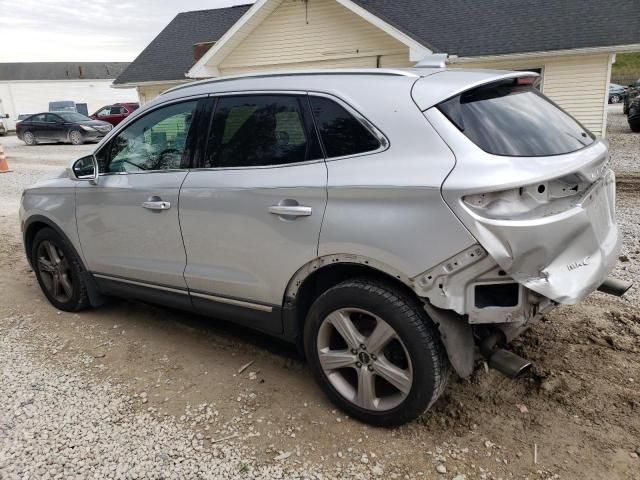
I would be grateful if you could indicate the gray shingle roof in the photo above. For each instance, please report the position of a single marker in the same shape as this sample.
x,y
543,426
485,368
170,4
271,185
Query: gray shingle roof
x,y
61,70
470,28
466,28
170,55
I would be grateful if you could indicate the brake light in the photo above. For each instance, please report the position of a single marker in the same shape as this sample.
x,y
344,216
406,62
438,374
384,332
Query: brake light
x,y
539,199
526,80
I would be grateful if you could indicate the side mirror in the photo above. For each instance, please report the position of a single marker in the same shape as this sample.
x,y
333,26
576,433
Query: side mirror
x,y
86,169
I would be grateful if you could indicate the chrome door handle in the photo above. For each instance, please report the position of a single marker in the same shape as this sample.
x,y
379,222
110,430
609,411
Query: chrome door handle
x,y
290,210
157,205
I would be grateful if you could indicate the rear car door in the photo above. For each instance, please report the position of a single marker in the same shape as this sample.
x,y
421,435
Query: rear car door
x,y
251,214
38,126
128,223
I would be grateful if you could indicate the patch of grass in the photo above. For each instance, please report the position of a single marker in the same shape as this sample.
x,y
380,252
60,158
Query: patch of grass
x,y
626,70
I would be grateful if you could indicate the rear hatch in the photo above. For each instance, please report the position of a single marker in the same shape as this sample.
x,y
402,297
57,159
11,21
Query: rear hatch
x,y
530,183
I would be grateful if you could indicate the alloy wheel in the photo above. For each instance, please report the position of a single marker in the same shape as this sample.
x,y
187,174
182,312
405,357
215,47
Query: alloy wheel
x,y
616,99
55,271
29,138
364,359
75,137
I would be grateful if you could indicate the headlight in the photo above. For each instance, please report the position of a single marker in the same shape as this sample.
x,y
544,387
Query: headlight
x,y
87,128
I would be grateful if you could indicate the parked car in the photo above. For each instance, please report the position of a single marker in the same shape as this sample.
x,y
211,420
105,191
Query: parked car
x,y
116,113
631,92
4,124
61,127
616,93
391,232
634,114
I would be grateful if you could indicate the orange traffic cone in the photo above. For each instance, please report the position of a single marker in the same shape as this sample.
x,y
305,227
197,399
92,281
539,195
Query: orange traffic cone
x,y
4,166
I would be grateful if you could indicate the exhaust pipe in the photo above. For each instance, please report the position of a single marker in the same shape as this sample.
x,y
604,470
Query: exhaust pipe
x,y
616,287
508,363
504,361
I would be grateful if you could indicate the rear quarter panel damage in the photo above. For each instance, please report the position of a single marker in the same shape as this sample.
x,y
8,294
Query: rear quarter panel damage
x,y
563,254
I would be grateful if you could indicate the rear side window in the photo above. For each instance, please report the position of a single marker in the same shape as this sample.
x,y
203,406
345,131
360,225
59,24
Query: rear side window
x,y
505,118
260,130
341,133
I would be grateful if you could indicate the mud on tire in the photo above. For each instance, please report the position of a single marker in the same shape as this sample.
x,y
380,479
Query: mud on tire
x,y
414,351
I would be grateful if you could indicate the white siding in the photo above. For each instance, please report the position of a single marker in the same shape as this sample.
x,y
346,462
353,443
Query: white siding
x,y
576,83
301,34
34,96
146,93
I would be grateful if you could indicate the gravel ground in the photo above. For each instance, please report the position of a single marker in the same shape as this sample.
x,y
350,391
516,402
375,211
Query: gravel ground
x,y
135,391
58,423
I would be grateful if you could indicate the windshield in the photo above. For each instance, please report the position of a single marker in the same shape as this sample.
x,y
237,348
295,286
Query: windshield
x,y
73,117
506,118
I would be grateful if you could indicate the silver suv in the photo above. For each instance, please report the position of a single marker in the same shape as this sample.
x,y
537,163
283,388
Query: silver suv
x,y
391,223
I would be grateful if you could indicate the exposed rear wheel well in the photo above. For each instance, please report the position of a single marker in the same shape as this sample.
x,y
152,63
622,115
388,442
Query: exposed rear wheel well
x,y
323,279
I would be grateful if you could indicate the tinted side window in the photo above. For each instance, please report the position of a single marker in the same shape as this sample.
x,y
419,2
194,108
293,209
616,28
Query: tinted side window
x,y
260,130
38,118
342,134
156,141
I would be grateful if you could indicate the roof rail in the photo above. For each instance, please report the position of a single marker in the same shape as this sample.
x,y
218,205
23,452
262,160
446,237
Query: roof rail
x,y
288,73
436,60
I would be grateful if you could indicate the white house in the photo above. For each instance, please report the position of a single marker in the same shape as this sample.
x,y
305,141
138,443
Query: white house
x,y
29,87
571,42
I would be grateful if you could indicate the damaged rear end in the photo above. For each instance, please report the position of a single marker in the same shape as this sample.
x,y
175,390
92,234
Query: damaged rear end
x,y
533,186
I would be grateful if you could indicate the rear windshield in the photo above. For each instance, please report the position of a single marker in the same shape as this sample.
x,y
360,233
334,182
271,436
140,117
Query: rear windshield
x,y
506,118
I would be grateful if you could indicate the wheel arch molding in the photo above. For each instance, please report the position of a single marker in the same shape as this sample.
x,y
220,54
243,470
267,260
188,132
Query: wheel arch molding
x,y
320,274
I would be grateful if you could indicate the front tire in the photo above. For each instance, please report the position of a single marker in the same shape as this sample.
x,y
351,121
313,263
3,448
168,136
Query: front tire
x,y
375,352
58,271
75,137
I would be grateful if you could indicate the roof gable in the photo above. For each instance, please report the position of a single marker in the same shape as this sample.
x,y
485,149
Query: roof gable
x,y
170,55
261,11
501,27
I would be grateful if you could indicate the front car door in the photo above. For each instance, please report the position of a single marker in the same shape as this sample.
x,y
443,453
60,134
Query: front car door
x,y
251,215
56,128
128,223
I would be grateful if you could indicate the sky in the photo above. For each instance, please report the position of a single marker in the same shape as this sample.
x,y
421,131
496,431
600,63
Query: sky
x,y
87,30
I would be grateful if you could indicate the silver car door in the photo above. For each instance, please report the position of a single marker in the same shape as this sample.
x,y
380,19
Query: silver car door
x,y
128,223
251,216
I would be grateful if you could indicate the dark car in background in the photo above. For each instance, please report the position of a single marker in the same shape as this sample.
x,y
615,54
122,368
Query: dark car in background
x,y
115,113
616,93
633,115
69,127
630,93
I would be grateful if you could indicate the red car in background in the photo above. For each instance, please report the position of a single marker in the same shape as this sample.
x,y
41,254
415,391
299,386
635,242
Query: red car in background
x,y
115,113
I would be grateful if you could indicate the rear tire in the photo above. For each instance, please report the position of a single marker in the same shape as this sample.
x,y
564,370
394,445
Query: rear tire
x,y
59,271
634,118
75,137
29,138
375,352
